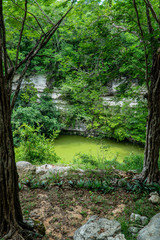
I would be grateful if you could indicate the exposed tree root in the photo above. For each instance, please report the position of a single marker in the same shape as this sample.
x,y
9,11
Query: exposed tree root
x,y
9,234
145,177
20,233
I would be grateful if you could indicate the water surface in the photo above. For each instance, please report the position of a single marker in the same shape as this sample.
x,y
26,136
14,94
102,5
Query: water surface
x,y
67,146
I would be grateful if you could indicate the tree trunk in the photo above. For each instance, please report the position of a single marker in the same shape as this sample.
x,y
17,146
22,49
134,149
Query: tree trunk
x,y
10,210
150,170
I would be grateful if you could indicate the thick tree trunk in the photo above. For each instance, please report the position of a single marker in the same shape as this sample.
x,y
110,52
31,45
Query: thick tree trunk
x,y
150,170
10,211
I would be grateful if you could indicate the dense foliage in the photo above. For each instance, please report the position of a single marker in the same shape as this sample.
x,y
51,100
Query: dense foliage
x,y
35,148
97,44
36,112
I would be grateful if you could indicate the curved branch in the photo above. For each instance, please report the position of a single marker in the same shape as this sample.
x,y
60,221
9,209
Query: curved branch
x,y
152,11
27,25
31,15
43,40
21,32
38,46
124,29
49,20
19,82
144,43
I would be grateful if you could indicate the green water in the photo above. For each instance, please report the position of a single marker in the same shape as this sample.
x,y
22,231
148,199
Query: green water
x,y
67,146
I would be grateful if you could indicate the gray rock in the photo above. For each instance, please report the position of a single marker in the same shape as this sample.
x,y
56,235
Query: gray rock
x,y
132,217
50,168
144,220
23,164
135,218
25,168
29,222
153,193
155,199
117,237
138,218
99,229
152,230
133,229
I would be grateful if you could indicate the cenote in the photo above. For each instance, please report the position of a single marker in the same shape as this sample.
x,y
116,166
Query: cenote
x,y
68,146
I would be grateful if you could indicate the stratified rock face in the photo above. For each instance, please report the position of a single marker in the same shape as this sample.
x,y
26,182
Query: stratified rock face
x,y
152,230
99,229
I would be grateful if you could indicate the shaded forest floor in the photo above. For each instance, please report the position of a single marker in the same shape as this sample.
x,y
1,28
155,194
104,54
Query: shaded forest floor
x,y
64,203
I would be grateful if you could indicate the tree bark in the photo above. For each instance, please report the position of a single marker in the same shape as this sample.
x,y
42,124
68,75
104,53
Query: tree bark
x,y
10,210
11,219
150,170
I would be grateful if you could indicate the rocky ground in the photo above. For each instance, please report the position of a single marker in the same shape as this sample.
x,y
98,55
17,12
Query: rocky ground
x,y
63,203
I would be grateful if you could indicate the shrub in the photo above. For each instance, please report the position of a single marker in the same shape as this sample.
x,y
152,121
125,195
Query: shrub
x,y
35,148
42,113
133,162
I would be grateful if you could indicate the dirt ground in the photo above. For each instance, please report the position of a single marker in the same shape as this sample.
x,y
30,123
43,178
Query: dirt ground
x,y
63,208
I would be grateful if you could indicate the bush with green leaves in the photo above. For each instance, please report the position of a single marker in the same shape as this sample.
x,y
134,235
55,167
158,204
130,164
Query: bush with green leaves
x,y
42,113
133,162
35,148
121,123
130,162
88,161
94,185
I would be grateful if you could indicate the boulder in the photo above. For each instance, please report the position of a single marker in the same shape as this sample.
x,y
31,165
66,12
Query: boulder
x,y
138,219
99,229
23,165
133,230
154,198
135,218
51,168
47,170
144,220
152,230
25,168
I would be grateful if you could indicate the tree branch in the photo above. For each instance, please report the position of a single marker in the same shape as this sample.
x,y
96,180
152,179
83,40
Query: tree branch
x,y
29,26
43,40
124,29
21,32
152,11
49,20
19,82
31,15
144,43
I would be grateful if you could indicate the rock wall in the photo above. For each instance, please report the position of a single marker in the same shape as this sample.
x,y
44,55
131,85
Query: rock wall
x,y
40,82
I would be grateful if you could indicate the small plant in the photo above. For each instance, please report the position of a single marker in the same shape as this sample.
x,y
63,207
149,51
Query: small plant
x,y
86,159
83,213
34,182
94,185
142,187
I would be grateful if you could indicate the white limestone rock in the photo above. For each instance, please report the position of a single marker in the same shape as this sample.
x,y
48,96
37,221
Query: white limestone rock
x,y
152,230
99,229
154,198
23,165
